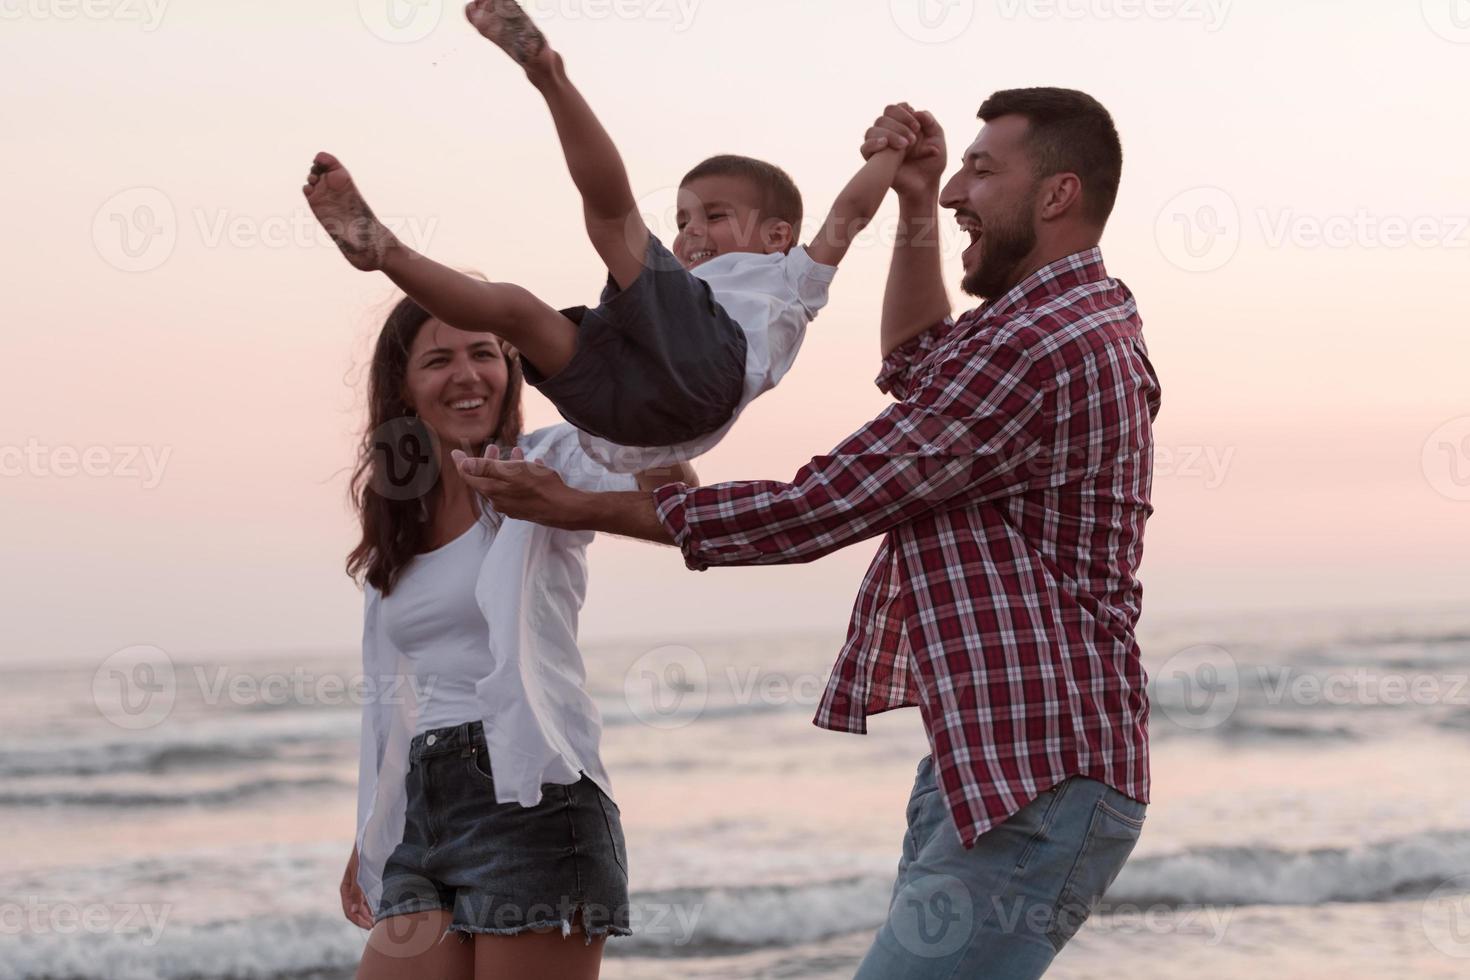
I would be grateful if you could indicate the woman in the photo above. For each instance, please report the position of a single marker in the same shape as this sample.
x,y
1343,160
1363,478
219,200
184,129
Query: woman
x,y
483,806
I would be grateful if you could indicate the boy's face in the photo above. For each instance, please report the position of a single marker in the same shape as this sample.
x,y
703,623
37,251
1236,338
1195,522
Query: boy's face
x,y
718,215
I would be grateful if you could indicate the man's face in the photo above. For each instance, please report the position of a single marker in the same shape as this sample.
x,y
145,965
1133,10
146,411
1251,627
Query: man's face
x,y
993,196
719,215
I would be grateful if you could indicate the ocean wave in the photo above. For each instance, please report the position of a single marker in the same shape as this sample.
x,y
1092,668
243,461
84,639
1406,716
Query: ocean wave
x,y
1380,871
189,748
709,921
138,798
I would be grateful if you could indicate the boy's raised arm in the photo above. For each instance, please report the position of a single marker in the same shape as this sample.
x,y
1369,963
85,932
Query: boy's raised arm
x,y
858,201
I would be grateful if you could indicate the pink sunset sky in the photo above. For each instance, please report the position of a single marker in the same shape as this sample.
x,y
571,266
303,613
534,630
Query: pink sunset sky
x,y
183,353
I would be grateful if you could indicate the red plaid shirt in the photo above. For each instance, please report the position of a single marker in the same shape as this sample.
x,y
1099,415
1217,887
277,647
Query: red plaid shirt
x,y
1011,484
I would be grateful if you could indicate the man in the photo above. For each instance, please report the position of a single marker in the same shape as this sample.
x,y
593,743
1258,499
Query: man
x,y
1011,484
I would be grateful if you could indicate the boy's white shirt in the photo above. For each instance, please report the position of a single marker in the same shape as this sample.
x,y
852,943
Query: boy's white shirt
x,y
540,724
772,297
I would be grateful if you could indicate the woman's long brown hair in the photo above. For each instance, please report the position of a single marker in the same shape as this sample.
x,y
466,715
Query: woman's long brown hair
x,y
398,457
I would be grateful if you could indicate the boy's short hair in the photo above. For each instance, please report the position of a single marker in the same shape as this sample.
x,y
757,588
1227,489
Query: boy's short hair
x,y
779,197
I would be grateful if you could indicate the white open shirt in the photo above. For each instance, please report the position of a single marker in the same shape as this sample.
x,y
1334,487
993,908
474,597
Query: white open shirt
x,y
541,726
772,297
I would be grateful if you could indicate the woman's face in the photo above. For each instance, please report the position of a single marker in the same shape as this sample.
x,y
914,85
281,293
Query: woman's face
x,y
456,382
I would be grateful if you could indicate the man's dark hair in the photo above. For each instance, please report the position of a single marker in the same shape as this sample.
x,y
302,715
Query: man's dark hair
x,y
779,197
1070,132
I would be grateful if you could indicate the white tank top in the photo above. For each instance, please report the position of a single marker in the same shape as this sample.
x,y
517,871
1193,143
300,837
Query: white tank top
x,y
432,616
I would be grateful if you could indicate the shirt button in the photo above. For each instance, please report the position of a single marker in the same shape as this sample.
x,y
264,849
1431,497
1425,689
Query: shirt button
x,y
431,739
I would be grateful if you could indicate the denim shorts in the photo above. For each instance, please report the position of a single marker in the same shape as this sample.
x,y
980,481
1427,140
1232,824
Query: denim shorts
x,y
500,868
657,364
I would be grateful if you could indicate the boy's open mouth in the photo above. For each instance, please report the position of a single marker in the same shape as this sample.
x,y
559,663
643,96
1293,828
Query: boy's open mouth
x,y
701,255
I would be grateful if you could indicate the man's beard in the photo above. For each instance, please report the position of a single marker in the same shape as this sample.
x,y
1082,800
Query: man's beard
x,y
1005,245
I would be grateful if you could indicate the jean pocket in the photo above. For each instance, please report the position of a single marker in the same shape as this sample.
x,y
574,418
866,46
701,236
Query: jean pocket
x,y
612,818
478,767
1111,837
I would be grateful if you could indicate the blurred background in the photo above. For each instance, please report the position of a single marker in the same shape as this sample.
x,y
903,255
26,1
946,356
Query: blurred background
x,y
182,385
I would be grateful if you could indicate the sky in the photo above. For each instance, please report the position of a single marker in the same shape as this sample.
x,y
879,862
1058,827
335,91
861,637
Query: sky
x,y
181,378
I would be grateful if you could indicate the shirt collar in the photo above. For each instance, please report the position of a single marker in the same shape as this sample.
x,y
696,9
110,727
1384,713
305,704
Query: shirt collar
x,y
1067,272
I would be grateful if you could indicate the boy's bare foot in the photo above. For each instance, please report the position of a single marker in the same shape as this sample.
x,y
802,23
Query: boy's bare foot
x,y
505,23
335,201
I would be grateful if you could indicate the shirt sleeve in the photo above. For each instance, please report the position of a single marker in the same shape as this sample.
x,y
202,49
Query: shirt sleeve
x,y
897,373
784,328
992,422
810,279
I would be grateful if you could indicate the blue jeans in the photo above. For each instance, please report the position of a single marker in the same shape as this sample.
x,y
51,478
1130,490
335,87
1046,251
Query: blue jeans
x,y
1005,908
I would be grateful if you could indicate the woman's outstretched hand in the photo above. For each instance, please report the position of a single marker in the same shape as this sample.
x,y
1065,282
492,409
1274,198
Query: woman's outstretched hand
x,y
354,902
522,489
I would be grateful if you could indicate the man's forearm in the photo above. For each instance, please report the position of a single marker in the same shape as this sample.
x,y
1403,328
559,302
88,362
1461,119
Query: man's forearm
x,y
631,514
914,299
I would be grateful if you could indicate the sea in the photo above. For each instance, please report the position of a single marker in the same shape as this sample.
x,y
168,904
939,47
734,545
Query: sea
x,y
173,816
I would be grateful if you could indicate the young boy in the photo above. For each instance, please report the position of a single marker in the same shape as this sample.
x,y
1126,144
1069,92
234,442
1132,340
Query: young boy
x,y
684,338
